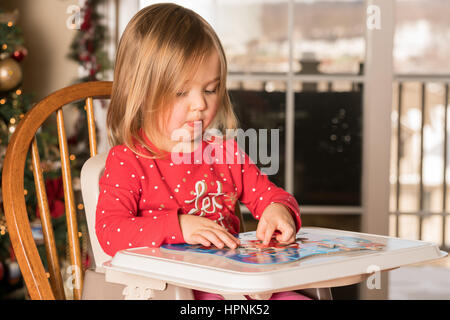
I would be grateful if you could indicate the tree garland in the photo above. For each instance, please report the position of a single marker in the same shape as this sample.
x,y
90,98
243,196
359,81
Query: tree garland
x,y
14,103
88,46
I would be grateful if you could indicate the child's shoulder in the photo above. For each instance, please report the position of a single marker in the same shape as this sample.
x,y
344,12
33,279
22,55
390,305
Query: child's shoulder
x,y
138,154
121,153
119,150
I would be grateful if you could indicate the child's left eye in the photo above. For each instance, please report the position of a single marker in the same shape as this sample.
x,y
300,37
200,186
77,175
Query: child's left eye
x,y
179,94
210,91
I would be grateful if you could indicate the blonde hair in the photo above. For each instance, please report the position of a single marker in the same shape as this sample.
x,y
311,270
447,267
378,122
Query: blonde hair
x,y
161,47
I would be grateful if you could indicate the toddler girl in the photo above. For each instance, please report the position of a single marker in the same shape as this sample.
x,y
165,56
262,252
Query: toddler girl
x,y
164,183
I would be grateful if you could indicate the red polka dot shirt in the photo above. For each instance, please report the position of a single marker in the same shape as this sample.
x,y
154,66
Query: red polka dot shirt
x,y
140,198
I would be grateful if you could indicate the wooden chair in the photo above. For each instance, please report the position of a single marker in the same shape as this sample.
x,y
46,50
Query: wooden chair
x,y
25,249
49,285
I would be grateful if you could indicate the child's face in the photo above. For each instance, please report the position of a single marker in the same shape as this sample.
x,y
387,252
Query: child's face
x,y
197,101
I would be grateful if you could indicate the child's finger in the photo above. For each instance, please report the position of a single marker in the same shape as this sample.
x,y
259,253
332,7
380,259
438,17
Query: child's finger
x,y
286,237
217,226
212,237
234,238
227,238
261,230
287,233
231,236
200,239
268,234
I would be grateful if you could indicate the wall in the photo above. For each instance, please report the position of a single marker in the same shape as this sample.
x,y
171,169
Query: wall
x,y
47,40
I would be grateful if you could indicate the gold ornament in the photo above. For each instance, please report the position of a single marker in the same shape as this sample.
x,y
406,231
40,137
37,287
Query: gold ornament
x,y
10,74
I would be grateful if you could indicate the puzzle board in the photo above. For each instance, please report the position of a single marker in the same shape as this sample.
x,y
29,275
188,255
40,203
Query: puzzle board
x,y
252,251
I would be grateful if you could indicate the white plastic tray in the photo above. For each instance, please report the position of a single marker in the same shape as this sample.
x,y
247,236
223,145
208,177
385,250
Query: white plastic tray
x,y
217,274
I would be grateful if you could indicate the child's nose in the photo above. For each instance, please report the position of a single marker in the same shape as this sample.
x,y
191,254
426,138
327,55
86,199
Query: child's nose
x,y
198,103
198,107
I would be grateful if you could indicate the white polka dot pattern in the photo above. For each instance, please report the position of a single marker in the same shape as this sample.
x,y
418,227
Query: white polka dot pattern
x,y
142,198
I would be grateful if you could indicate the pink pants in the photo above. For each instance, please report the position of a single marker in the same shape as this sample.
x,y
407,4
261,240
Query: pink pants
x,y
288,295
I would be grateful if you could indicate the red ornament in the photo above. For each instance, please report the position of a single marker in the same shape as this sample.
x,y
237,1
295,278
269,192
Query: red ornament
x,y
84,56
86,25
90,46
18,55
87,262
55,194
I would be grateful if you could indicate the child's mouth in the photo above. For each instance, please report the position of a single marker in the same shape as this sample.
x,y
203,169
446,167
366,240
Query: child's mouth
x,y
193,124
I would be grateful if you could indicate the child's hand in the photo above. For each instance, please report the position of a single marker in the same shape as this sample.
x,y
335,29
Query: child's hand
x,y
276,217
200,230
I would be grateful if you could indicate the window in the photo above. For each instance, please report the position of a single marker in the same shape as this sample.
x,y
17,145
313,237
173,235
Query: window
x,y
419,156
422,37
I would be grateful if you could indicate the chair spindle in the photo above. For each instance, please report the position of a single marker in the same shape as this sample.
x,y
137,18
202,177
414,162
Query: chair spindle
x,y
71,215
91,126
47,227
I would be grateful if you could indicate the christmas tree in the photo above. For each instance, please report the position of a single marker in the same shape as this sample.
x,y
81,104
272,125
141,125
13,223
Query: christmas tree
x,y
88,50
14,103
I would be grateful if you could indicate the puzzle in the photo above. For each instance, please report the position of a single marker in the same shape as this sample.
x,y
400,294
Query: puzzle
x,y
253,251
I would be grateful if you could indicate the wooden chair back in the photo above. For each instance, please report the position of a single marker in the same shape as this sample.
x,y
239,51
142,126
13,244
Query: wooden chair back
x,y
24,246
49,285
